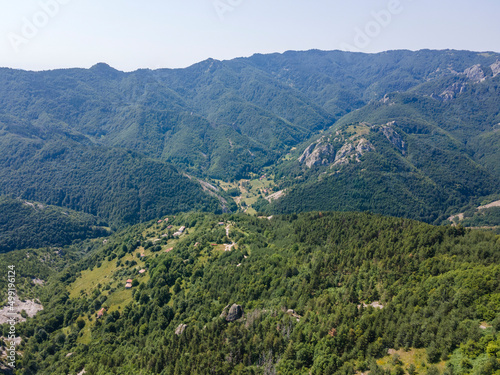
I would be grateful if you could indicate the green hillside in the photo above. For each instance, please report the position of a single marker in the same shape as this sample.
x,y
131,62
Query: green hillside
x,y
119,186
25,224
121,134
319,293
408,155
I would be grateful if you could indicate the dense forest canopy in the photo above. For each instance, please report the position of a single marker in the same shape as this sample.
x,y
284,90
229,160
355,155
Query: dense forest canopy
x,y
431,150
319,293
181,221
25,224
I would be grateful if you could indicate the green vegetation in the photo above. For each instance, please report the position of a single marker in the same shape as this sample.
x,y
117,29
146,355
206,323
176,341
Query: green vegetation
x,y
35,266
100,140
483,218
406,134
118,186
246,193
26,224
357,284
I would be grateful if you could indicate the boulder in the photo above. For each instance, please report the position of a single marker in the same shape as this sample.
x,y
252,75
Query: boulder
x,y
235,312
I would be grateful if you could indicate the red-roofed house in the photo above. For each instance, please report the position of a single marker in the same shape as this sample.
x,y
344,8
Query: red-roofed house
x,y
128,284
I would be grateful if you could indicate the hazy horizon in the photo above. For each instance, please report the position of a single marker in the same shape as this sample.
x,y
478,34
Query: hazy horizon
x,y
54,34
237,57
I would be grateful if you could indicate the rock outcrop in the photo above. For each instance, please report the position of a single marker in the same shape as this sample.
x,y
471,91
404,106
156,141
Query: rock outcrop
x,y
495,68
475,73
318,153
180,329
323,151
452,91
352,151
234,313
393,137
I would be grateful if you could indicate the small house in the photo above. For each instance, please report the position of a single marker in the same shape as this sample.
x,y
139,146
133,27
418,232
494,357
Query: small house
x,y
159,221
128,285
142,271
100,312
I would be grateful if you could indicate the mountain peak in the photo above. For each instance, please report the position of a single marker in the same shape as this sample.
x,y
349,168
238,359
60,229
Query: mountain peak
x,y
104,69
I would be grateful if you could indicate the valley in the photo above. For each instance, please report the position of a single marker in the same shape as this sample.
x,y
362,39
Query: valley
x,y
314,212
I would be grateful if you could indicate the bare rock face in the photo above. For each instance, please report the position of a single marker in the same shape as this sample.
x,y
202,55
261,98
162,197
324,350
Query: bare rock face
x,y
393,137
495,68
235,313
475,73
180,329
353,151
223,314
452,91
318,153
363,147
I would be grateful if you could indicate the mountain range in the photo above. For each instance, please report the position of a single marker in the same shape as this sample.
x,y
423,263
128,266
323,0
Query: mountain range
x,y
411,134
179,221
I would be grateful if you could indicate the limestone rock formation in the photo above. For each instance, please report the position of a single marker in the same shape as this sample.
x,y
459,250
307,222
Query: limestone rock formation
x,y
475,73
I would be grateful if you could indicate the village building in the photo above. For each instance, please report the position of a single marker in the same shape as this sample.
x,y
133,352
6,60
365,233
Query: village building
x,y
180,231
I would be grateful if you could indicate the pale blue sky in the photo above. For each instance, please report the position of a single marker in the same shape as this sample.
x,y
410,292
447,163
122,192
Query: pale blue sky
x,y
136,34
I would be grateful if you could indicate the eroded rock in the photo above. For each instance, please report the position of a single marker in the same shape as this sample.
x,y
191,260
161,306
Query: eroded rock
x,y
475,73
235,313
180,329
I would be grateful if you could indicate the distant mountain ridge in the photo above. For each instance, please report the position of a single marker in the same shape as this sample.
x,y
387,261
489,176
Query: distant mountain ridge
x,y
229,119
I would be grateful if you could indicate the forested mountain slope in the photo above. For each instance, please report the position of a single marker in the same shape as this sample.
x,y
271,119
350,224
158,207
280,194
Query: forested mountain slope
x,y
408,155
222,117
119,186
25,224
240,118
319,293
